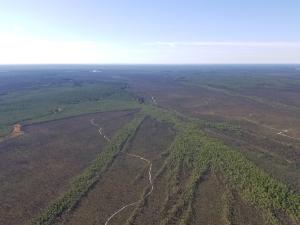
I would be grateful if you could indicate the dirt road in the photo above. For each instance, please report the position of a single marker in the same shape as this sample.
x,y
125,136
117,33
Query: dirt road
x,y
101,133
99,130
136,202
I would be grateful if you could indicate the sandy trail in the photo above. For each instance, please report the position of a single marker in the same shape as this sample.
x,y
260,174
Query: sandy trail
x,y
148,194
153,100
278,131
149,171
15,132
283,133
100,130
131,155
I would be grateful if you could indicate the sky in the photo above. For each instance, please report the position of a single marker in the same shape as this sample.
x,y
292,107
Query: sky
x,y
149,31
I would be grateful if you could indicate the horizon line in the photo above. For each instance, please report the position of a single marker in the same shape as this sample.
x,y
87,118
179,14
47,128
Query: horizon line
x,y
141,64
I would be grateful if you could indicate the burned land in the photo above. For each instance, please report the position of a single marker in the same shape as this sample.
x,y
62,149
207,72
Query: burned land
x,y
150,145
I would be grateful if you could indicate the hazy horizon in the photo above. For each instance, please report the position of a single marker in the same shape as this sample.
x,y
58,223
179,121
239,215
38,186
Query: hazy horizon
x,y
168,32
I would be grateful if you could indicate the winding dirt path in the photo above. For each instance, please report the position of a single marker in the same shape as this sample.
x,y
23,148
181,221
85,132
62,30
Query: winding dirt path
x,y
283,133
130,155
148,194
149,171
100,130
278,131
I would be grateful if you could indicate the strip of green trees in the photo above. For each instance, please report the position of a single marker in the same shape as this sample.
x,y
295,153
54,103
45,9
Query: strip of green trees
x,y
192,148
91,174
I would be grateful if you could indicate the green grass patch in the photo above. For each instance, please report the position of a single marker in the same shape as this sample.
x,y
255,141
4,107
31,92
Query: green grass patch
x,y
63,101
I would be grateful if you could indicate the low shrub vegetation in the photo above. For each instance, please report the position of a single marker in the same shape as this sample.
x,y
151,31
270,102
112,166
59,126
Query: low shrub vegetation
x,y
194,149
83,183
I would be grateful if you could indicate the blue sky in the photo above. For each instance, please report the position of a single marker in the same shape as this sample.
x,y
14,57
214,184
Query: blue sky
x,y
128,31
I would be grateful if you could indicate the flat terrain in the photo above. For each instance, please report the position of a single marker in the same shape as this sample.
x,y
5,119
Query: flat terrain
x,y
148,145
126,179
209,204
194,98
37,167
261,102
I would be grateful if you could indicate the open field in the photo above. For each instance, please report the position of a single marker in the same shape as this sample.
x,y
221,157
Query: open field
x,y
193,97
39,165
209,205
137,145
268,124
61,98
278,158
124,182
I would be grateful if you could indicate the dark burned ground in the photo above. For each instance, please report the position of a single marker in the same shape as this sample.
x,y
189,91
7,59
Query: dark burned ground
x,y
216,203
201,101
38,166
261,119
209,206
125,180
151,212
241,212
120,185
278,158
